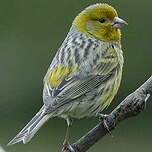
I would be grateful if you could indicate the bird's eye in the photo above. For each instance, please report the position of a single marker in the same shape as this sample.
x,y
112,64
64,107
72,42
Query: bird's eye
x,y
102,20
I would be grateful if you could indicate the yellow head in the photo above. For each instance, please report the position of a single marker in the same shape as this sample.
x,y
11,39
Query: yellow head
x,y
100,21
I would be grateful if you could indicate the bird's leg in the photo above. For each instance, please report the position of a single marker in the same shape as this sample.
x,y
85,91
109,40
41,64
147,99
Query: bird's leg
x,y
66,144
104,117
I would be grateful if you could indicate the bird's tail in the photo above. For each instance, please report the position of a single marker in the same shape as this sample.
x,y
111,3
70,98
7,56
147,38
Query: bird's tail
x,y
31,128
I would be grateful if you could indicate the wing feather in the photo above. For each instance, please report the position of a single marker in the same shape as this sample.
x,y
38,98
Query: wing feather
x,y
77,89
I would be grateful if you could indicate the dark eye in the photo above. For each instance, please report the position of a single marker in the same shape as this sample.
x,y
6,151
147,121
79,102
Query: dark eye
x,y
102,20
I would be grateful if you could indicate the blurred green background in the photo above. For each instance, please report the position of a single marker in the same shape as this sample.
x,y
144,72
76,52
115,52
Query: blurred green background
x,y
30,33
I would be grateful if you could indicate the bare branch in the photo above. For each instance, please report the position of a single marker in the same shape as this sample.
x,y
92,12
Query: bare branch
x,y
132,105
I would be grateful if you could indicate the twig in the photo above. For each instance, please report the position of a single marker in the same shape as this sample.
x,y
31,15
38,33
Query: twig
x,y
132,105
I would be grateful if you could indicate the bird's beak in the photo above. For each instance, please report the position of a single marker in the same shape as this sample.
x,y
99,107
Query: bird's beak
x,y
118,22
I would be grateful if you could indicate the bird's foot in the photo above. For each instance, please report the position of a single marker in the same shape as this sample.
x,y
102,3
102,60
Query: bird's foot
x,y
104,119
67,147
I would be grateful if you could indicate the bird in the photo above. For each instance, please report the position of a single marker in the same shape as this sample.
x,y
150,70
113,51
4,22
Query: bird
x,y
86,71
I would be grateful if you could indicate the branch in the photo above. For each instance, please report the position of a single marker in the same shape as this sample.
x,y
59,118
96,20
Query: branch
x,y
131,106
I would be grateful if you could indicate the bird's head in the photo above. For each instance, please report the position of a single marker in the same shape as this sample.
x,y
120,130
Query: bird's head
x,y
100,21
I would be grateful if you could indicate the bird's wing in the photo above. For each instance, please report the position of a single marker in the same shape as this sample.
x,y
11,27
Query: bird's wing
x,y
67,85
76,89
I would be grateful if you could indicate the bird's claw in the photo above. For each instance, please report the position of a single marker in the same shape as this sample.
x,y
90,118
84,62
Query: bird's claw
x,y
67,146
103,118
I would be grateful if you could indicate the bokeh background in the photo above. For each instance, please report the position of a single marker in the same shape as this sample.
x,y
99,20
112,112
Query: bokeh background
x,y
30,33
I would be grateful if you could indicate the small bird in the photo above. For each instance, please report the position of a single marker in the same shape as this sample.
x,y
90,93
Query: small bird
x,y
86,71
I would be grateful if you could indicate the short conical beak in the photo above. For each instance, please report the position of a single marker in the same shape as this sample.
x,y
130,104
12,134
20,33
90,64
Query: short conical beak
x,y
118,22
